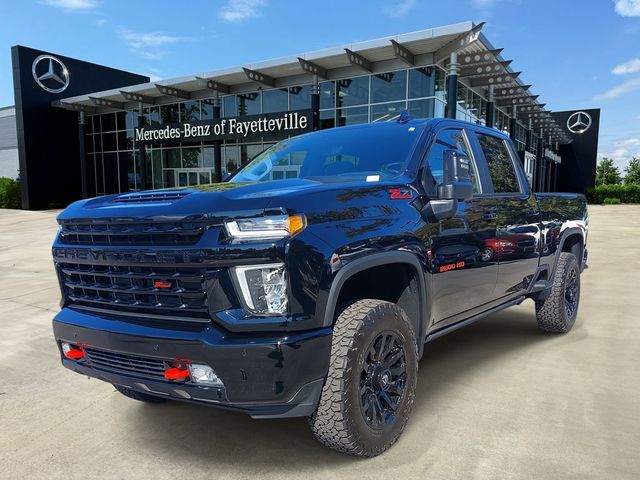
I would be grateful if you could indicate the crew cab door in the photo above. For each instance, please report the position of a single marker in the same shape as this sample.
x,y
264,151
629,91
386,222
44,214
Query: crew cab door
x,y
517,243
461,278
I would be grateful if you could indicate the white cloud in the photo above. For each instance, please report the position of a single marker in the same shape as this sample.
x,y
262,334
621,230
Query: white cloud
x,y
619,90
238,10
399,9
148,39
631,66
148,44
627,8
72,5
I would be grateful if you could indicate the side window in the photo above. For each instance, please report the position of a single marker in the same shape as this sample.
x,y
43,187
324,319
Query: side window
x,y
450,139
501,168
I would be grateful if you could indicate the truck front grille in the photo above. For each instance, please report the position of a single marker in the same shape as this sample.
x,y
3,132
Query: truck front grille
x,y
152,291
126,363
132,233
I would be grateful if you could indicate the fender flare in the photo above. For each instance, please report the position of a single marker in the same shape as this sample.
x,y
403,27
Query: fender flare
x,y
566,234
376,260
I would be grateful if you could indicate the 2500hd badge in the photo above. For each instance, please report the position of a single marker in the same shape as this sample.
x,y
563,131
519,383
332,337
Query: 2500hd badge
x,y
312,288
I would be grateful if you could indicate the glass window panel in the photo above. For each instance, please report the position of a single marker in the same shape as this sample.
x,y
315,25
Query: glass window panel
x,y
501,168
422,108
353,91
450,139
191,157
387,111
205,177
193,178
108,122
97,142
156,156
122,141
169,113
229,106
190,111
231,158
110,164
353,116
389,86
422,82
275,100
169,178
207,157
120,120
89,128
249,103
247,152
130,120
440,83
300,97
172,158
327,119
153,115
206,110
128,175
109,142
327,95
88,143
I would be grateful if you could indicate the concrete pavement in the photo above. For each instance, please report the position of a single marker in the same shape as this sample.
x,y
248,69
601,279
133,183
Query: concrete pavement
x,y
497,399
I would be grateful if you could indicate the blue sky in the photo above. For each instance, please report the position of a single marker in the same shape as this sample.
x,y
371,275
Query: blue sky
x,y
575,53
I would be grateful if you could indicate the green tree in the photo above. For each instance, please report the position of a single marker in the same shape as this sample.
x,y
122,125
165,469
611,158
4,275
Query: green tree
x,y
632,172
607,173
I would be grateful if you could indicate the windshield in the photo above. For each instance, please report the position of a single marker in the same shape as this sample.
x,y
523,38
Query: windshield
x,y
378,152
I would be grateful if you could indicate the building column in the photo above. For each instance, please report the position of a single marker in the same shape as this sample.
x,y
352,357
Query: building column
x,y
452,87
217,145
315,104
539,161
84,181
491,107
142,151
528,137
513,123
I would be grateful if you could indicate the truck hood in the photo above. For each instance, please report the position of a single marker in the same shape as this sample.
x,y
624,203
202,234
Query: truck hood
x,y
217,201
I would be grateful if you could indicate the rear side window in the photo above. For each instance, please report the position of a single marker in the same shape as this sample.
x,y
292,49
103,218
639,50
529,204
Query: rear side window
x,y
450,139
501,168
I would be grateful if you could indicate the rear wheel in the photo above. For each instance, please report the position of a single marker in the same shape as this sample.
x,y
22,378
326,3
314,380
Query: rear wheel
x,y
370,387
558,312
141,397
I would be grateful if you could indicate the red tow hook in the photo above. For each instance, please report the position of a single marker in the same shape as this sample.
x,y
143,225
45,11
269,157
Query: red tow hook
x,y
176,373
75,354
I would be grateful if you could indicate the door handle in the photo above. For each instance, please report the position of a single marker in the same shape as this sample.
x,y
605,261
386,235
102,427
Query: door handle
x,y
490,216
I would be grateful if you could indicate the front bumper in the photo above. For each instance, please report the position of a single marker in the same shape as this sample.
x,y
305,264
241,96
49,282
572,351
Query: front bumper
x,y
264,375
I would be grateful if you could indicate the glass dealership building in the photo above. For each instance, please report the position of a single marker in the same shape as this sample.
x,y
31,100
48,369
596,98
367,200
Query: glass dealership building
x,y
450,71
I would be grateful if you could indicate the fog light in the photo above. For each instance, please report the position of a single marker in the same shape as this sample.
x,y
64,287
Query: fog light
x,y
204,374
264,288
71,351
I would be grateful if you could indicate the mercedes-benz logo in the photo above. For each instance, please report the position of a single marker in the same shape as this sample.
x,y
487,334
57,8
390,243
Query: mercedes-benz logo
x,y
50,73
579,122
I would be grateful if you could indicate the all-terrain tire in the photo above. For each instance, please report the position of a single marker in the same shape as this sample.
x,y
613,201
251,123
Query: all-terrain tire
x,y
558,312
347,417
141,397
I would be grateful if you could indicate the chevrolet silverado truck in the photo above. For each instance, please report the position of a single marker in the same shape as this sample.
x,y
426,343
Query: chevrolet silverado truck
x,y
309,283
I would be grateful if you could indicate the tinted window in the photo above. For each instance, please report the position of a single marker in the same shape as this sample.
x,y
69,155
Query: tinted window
x,y
450,139
375,153
501,169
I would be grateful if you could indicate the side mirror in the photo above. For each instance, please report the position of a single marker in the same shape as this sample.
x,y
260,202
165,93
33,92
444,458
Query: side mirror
x,y
456,184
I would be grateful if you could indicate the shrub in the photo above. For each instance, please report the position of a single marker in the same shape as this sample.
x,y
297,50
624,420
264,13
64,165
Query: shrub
x,y
625,193
611,201
10,196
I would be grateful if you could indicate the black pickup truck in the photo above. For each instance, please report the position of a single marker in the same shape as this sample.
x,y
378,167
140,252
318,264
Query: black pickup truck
x,y
309,283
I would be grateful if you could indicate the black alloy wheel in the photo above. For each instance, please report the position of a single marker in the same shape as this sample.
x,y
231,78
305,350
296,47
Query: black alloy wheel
x,y
383,380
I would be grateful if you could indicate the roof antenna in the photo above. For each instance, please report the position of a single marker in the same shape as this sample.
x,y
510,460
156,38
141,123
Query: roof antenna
x,y
404,117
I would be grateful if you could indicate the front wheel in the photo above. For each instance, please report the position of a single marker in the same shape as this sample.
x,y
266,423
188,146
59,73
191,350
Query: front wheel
x,y
558,312
370,387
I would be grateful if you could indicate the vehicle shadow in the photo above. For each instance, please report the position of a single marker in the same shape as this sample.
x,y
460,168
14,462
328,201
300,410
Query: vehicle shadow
x,y
219,439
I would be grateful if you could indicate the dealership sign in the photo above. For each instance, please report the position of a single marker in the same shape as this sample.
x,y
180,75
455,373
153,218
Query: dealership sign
x,y
272,126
